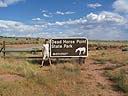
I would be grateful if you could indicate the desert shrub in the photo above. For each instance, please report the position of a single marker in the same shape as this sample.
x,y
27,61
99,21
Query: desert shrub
x,y
126,63
100,61
18,88
125,49
61,93
122,81
120,78
71,68
25,70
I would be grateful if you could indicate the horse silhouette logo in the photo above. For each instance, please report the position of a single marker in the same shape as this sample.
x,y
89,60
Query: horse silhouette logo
x,y
81,50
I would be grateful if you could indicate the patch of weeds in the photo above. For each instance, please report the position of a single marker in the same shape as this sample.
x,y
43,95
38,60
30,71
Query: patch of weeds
x,y
122,81
101,86
34,62
100,61
30,72
120,78
48,80
108,73
71,70
25,71
61,93
125,63
6,66
8,89
24,88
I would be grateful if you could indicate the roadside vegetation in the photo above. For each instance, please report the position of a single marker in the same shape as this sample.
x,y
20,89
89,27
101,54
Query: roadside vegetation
x,y
20,77
115,66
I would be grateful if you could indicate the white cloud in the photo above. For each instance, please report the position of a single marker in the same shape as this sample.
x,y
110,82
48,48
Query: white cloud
x,y
3,26
59,13
5,3
36,19
45,15
94,5
121,6
2,4
69,22
106,16
16,26
105,25
64,13
72,22
44,11
69,12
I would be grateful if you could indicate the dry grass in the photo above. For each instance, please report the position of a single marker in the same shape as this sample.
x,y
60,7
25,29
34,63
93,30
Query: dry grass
x,y
59,80
113,56
119,75
62,79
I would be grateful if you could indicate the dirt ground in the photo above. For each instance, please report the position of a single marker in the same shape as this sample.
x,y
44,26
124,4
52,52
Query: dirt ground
x,y
94,74
91,82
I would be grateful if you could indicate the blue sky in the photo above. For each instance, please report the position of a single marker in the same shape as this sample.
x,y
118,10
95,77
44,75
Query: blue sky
x,y
94,19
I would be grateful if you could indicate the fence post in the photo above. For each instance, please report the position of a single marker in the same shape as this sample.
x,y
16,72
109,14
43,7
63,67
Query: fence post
x,y
81,60
4,49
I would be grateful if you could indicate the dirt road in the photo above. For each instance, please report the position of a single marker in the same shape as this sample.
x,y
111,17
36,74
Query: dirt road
x,y
99,85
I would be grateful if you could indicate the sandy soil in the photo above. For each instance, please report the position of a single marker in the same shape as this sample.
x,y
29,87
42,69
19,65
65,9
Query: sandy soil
x,y
93,73
10,78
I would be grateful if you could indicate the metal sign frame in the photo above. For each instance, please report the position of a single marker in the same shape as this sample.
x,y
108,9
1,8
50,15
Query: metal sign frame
x,y
70,38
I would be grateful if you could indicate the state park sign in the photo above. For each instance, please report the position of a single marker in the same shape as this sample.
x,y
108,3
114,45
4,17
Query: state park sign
x,y
69,47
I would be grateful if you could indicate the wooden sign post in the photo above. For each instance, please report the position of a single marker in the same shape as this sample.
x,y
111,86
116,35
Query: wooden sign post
x,y
4,49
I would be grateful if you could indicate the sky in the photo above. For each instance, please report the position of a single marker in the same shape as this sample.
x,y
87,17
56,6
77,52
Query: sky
x,y
93,19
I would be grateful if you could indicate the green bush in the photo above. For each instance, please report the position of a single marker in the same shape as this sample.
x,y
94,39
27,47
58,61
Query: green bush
x,y
122,81
120,78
